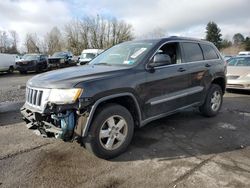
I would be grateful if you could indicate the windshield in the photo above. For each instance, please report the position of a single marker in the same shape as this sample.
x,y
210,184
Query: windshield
x,y
239,61
124,54
59,54
87,56
30,57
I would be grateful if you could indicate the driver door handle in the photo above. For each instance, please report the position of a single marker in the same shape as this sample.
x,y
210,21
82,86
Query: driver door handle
x,y
181,69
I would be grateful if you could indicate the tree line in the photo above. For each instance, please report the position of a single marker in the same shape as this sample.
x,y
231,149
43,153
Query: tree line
x,y
88,32
8,42
98,32
213,34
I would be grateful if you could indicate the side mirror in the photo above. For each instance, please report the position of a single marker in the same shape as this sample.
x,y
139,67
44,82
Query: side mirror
x,y
160,60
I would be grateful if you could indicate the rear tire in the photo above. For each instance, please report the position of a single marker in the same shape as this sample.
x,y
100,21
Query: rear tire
x,y
38,69
11,70
212,102
23,72
111,131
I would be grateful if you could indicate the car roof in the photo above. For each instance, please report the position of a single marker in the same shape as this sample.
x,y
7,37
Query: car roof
x,y
174,38
242,56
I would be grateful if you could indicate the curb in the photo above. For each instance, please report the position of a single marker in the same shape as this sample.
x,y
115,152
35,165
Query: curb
x,y
11,106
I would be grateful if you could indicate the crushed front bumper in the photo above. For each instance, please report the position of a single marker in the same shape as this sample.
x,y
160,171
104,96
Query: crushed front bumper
x,y
60,121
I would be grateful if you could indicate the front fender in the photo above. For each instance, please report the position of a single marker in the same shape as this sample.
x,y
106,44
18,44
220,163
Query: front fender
x,y
103,99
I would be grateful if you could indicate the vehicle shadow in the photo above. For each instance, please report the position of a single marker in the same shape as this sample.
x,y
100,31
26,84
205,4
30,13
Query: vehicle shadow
x,y
8,118
188,134
238,91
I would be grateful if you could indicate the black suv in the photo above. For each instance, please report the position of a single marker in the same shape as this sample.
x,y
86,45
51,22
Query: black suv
x,y
32,62
127,86
61,59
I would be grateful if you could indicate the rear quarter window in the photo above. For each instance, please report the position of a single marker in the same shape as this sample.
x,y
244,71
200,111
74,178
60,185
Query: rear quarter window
x,y
209,52
192,52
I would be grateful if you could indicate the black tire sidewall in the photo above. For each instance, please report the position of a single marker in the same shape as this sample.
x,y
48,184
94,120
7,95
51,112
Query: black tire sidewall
x,y
11,70
206,108
23,72
93,144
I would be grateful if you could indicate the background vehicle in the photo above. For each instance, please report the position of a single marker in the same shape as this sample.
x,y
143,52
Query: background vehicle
x,y
32,62
127,86
7,63
244,53
227,57
238,72
61,59
87,55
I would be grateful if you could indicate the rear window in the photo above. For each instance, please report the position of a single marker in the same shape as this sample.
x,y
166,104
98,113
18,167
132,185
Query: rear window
x,y
209,52
192,52
239,61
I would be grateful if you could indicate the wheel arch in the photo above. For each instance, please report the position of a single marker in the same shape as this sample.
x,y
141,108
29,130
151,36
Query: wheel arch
x,y
127,100
221,82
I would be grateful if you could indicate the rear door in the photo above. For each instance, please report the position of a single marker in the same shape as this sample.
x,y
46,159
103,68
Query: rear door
x,y
199,66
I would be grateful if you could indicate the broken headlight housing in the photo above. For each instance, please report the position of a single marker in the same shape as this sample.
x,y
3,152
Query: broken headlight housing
x,y
64,96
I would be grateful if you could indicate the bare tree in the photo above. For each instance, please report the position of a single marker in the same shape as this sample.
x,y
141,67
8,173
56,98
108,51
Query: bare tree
x,y
96,32
3,41
32,43
72,36
85,32
54,40
14,41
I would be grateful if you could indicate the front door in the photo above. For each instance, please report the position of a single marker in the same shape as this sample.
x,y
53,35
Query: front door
x,y
166,86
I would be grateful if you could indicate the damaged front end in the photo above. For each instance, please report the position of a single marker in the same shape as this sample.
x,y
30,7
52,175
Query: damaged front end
x,y
65,121
67,125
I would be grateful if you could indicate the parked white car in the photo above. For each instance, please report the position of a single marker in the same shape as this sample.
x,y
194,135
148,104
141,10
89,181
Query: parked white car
x,y
7,62
244,53
87,55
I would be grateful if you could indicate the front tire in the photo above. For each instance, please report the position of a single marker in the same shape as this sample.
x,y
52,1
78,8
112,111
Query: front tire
x,y
212,102
111,131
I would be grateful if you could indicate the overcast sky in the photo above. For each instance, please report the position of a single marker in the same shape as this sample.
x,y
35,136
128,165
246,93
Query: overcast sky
x,y
182,17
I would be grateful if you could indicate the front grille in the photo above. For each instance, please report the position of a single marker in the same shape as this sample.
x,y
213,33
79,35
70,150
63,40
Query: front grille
x,y
34,96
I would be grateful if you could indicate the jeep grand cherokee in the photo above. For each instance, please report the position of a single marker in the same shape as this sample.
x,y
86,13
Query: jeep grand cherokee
x,y
127,86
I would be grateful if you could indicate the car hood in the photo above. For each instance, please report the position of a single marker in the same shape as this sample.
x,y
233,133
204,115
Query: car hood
x,y
238,71
69,77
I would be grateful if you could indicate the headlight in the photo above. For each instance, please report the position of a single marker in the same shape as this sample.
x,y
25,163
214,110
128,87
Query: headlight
x,y
248,75
62,61
64,96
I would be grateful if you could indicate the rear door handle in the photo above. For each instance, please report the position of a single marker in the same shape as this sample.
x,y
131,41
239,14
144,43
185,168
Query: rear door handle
x,y
207,65
181,69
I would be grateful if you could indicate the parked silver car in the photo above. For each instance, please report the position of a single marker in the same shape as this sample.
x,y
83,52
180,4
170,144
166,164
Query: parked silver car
x,y
238,72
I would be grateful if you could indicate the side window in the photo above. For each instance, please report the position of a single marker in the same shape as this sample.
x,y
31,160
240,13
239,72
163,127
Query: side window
x,y
192,52
171,50
209,52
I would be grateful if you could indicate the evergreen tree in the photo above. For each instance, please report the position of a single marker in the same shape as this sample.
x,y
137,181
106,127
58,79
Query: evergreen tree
x,y
247,44
225,43
213,34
